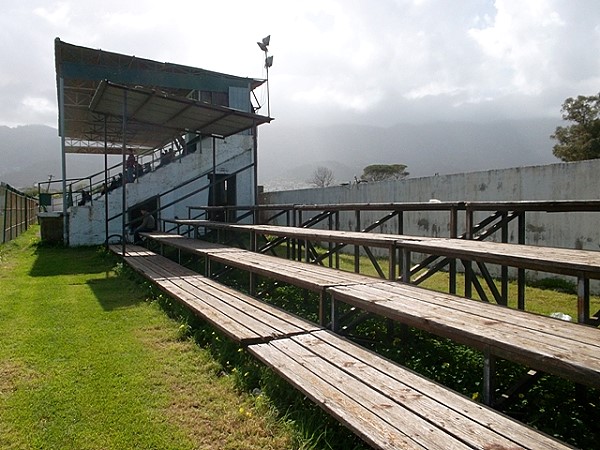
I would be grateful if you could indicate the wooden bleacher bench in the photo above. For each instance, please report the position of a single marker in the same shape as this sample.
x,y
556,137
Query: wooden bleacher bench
x,y
582,264
307,276
563,348
386,405
244,319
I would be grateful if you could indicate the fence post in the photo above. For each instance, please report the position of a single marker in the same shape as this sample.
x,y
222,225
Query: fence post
x,y
5,215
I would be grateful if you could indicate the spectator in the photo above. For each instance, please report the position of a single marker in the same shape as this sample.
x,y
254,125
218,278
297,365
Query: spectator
x,y
130,166
85,197
148,224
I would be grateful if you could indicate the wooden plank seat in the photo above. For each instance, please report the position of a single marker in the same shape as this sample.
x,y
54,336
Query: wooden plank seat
x,y
388,406
241,317
183,243
547,259
309,276
582,264
312,277
566,349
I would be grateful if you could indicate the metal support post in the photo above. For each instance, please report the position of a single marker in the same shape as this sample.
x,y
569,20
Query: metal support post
x,y
61,107
504,269
453,235
337,227
322,308
583,299
392,262
489,378
406,265
124,175
356,247
334,324
521,272
105,188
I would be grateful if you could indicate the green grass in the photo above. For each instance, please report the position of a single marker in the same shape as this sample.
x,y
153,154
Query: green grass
x,y
92,358
87,362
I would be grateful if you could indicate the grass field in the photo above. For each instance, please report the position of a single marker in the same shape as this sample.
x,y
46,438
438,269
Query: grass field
x,y
87,363
92,358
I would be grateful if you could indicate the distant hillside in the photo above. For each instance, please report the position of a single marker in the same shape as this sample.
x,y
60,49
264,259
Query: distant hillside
x,y
31,153
288,155
291,153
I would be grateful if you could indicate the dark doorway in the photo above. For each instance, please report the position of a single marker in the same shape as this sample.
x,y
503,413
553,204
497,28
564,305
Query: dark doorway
x,y
222,192
135,214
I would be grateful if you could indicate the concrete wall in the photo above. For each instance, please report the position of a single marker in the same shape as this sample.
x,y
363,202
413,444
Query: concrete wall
x,y
563,181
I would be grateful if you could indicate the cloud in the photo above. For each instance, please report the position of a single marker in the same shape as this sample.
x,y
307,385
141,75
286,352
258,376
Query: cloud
x,y
334,61
57,16
539,44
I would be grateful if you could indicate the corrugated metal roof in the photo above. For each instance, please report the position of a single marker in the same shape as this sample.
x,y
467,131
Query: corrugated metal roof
x,y
153,118
158,110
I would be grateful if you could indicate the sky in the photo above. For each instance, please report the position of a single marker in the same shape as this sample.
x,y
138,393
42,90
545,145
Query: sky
x,y
374,62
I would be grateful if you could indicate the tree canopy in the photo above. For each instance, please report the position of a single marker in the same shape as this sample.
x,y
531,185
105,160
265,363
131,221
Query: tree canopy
x,y
580,140
381,172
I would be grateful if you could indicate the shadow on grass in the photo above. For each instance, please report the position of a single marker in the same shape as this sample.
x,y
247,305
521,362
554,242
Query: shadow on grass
x,y
55,260
113,294
87,263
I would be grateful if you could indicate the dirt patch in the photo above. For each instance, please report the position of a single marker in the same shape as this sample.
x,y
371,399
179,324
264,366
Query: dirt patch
x,y
13,374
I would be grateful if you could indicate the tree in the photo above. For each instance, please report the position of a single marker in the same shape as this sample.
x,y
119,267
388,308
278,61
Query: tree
x,y
322,177
580,140
381,172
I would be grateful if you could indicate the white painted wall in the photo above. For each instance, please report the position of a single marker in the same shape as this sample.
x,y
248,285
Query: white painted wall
x,y
86,223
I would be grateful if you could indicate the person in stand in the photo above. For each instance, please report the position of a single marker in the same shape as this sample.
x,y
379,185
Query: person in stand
x,y
130,166
148,224
85,197
115,182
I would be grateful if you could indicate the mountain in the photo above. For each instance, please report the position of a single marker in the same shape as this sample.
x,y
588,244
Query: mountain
x,y
288,154
292,153
30,153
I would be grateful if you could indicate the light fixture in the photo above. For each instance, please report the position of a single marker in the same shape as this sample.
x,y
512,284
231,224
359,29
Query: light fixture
x,y
264,43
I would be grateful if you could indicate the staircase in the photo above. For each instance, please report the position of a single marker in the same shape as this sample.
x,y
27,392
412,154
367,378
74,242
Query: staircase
x,y
167,189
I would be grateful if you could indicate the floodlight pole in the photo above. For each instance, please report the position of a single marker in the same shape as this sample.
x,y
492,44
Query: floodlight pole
x,y
264,46
268,96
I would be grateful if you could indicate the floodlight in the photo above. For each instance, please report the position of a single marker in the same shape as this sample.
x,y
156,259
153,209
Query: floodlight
x,y
263,47
266,40
268,61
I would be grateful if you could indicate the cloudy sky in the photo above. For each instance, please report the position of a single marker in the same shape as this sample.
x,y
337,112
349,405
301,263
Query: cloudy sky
x,y
335,61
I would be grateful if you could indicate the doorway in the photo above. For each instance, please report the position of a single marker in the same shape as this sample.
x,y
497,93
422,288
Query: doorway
x,y
222,192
